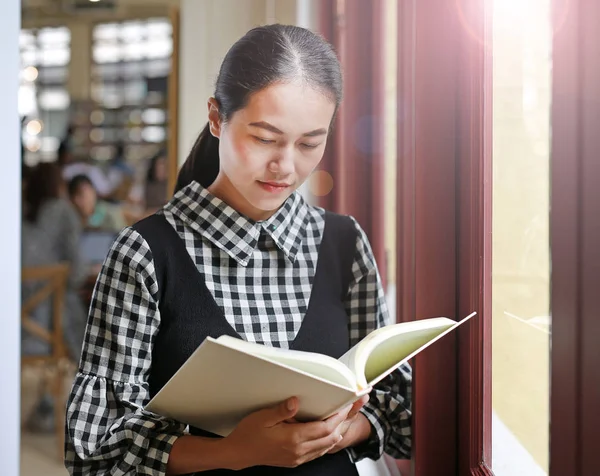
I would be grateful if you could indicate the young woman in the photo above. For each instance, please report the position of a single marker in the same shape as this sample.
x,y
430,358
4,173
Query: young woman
x,y
237,251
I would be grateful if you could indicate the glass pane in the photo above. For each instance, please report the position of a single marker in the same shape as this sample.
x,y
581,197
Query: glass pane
x,y
27,100
106,53
521,248
29,57
158,67
132,31
154,134
55,56
159,48
134,51
106,71
54,36
153,116
26,38
132,69
52,75
135,91
106,31
54,99
159,27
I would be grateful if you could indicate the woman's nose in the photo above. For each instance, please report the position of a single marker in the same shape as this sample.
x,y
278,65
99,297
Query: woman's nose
x,y
284,164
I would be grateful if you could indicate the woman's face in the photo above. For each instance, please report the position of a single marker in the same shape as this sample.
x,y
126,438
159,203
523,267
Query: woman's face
x,y
269,148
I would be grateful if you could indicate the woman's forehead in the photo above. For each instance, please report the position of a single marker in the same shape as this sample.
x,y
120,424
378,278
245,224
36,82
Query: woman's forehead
x,y
293,107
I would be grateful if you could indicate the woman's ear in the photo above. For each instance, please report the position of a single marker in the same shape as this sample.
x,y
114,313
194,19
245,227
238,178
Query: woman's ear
x,y
214,119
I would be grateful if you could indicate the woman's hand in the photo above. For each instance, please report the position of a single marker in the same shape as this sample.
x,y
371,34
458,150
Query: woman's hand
x,y
355,428
266,438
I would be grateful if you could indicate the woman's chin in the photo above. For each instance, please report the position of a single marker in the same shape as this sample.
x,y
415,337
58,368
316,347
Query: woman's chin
x,y
268,205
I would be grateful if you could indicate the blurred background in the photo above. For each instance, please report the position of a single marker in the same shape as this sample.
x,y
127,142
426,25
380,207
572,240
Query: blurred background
x,y
112,94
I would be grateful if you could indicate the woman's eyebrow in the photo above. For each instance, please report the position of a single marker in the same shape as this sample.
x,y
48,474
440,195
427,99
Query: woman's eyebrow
x,y
271,128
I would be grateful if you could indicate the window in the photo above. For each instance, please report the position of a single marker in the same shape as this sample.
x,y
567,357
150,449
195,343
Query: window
x,y
131,62
43,97
521,250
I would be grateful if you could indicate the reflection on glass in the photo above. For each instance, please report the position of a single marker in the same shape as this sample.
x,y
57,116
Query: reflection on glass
x,y
521,266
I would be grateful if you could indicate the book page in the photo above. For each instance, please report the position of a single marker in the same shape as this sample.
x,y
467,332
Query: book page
x,y
391,351
386,353
384,349
322,366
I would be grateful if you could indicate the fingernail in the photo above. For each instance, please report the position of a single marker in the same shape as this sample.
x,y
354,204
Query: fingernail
x,y
340,438
290,405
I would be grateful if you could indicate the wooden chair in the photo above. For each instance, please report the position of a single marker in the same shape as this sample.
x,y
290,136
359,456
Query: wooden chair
x,y
53,284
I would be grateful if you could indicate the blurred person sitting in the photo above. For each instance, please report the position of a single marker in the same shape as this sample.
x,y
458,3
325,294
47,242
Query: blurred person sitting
x,y
94,213
104,185
51,231
120,174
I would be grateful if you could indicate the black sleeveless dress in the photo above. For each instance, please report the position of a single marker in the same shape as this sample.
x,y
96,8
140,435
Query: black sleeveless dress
x,y
189,314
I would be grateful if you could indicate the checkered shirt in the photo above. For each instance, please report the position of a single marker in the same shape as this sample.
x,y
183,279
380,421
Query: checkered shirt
x,y
257,272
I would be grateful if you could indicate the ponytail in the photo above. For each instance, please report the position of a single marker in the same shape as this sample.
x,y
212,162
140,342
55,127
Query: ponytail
x,y
202,164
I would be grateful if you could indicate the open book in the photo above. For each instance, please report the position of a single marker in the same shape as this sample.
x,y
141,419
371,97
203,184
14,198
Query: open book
x,y
226,379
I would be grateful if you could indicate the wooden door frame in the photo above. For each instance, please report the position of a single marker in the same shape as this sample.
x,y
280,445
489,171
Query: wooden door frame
x,y
173,102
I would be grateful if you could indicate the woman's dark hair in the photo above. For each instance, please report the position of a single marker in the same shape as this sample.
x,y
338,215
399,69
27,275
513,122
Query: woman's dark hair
x,y
44,183
263,56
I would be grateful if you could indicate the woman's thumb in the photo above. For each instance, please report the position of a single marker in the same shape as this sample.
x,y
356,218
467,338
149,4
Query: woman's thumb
x,y
284,411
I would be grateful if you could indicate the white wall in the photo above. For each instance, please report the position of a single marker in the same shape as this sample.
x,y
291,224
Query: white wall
x,y
208,29
10,211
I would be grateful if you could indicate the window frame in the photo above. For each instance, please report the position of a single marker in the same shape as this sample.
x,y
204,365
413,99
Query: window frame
x,y
444,259
575,234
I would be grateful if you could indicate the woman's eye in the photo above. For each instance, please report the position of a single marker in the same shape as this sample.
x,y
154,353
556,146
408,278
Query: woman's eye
x,y
310,146
264,141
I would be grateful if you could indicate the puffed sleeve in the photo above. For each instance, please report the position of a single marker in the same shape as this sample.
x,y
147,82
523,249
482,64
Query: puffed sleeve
x,y
107,429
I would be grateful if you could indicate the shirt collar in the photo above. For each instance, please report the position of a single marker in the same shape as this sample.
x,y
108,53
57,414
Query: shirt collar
x,y
234,233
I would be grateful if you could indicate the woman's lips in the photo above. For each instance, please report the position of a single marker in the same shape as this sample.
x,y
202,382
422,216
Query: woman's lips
x,y
274,187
